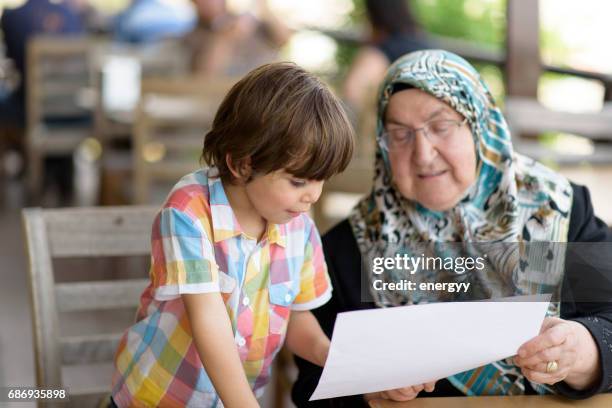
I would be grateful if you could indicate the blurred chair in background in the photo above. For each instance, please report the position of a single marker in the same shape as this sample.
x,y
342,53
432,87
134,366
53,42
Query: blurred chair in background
x,y
22,23
58,120
18,26
117,75
57,234
172,119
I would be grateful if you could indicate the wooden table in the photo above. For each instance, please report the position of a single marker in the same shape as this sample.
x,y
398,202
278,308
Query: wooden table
x,y
531,401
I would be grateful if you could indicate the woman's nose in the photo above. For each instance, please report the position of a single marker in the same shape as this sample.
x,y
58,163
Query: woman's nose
x,y
424,151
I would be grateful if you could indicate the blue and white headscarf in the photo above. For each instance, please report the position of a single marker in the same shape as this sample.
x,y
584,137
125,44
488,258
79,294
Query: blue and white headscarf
x,y
513,200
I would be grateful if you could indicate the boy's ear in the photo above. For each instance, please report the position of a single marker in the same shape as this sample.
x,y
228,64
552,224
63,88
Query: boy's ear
x,y
241,170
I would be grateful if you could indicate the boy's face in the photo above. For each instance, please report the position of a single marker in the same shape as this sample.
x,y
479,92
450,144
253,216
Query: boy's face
x,y
279,196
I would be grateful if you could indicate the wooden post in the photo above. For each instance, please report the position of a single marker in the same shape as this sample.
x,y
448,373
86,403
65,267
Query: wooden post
x,y
608,92
523,64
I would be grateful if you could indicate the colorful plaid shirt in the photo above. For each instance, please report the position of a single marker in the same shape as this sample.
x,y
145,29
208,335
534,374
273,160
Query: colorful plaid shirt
x,y
198,246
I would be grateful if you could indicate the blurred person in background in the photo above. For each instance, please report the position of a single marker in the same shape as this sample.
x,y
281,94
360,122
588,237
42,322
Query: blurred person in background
x,y
223,43
18,26
94,21
150,21
35,17
393,33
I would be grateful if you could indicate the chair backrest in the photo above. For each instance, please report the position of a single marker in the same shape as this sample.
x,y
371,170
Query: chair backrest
x,y
58,73
84,233
171,120
58,79
527,117
117,70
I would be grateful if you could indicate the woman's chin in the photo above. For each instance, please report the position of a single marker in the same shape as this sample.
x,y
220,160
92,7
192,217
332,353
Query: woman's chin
x,y
437,203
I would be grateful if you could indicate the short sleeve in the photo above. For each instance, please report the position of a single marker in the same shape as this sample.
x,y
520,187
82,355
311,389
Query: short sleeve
x,y
182,256
315,285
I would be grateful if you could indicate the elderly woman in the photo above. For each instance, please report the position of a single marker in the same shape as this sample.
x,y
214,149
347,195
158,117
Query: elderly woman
x,y
446,172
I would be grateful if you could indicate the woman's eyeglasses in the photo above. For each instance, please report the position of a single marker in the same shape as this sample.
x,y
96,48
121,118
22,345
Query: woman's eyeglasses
x,y
436,131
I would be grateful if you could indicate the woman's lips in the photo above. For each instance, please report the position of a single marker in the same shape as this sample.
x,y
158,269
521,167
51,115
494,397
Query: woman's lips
x,y
431,175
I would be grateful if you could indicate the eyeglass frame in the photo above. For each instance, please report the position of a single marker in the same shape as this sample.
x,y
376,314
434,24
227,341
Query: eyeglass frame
x,y
383,144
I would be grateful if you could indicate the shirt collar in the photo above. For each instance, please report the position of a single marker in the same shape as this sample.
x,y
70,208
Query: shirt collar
x,y
276,234
224,222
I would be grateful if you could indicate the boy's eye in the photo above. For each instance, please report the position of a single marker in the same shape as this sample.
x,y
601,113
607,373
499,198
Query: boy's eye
x,y
298,182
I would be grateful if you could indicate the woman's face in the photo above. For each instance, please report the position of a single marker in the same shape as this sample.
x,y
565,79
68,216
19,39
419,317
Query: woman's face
x,y
435,172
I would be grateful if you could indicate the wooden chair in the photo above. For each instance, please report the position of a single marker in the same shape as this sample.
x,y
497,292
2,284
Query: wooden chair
x,y
111,62
171,120
56,119
527,117
80,233
117,72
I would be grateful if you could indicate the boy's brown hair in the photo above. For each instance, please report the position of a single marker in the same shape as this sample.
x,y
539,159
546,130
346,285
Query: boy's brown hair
x,y
281,117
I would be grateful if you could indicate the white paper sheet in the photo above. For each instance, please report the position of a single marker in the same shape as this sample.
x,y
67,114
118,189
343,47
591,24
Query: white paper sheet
x,y
381,349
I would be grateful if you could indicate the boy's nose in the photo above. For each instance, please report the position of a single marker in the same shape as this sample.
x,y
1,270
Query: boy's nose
x,y
314,192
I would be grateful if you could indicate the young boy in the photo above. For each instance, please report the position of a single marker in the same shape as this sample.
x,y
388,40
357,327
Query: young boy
x,y
234,253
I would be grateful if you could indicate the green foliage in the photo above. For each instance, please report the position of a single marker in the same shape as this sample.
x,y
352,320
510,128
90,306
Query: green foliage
x,y
493,77
346,51
553,49
479,21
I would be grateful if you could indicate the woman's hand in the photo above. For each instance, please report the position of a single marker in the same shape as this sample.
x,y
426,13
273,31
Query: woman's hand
x,y
399,394
567,343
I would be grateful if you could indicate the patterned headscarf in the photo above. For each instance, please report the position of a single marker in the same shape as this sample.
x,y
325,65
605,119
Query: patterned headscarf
x,y
514,200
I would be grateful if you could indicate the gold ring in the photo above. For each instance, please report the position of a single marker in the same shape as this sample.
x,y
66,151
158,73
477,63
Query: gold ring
x,y
552,366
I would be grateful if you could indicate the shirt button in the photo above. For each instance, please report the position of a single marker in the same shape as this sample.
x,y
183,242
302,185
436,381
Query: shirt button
x,y
287,297
241,342
245,301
